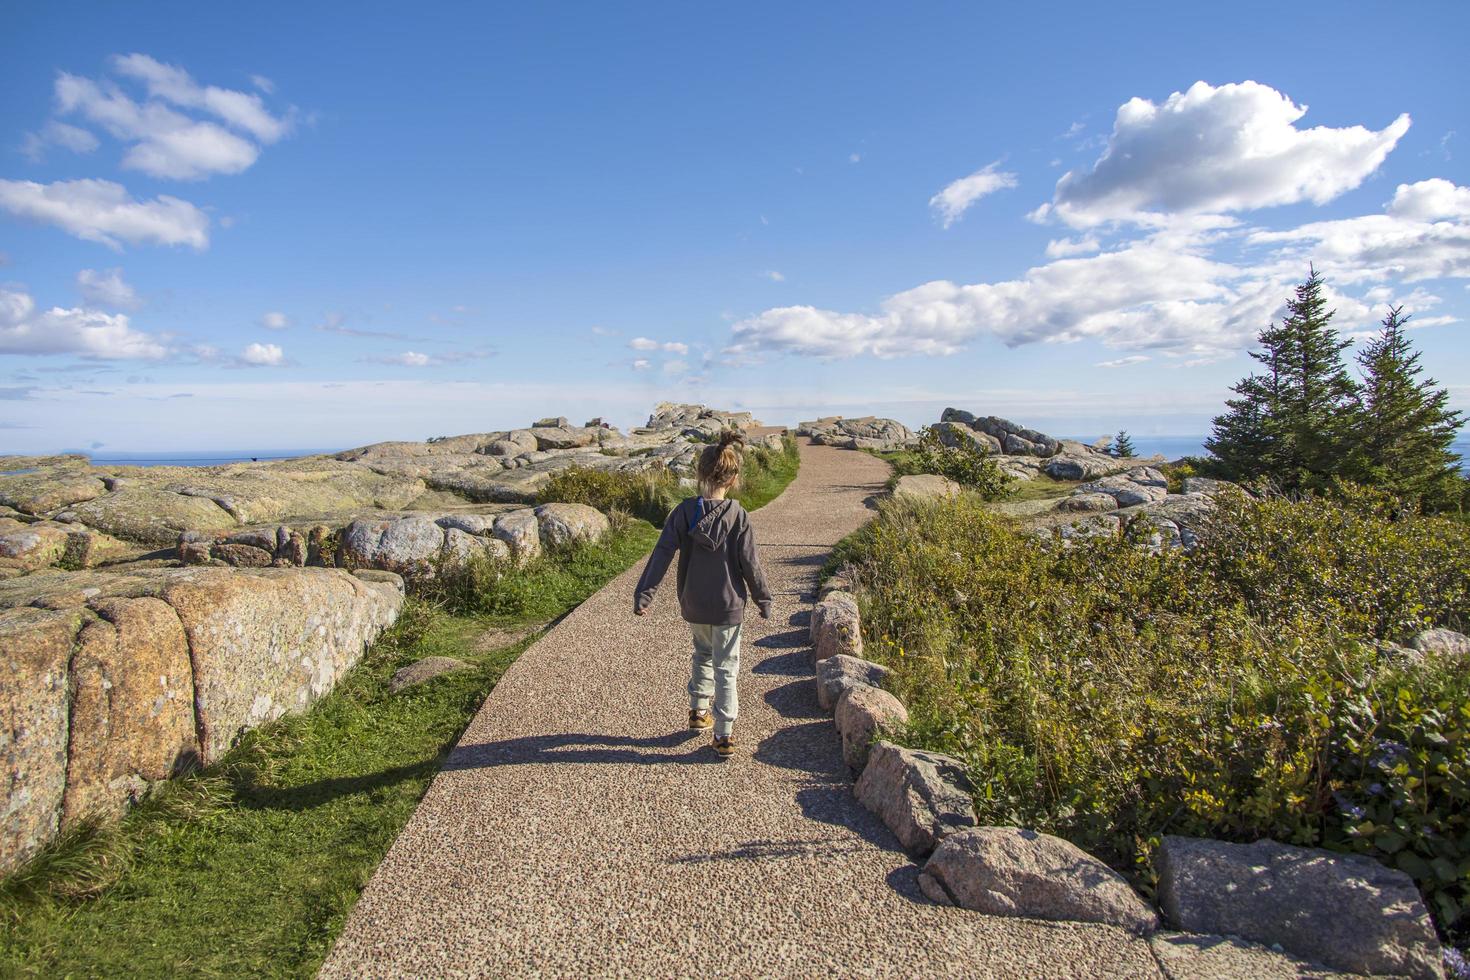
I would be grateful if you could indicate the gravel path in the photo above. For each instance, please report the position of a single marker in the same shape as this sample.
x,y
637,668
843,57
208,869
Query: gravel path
x,y
578,828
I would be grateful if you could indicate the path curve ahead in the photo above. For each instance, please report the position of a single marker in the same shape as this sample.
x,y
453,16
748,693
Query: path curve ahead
x,y
579,829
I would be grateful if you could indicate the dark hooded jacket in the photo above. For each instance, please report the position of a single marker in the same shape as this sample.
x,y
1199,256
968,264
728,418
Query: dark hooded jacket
x,y
718,566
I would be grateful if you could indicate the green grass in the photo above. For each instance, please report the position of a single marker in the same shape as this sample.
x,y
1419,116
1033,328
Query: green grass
x,y
766,473
251,866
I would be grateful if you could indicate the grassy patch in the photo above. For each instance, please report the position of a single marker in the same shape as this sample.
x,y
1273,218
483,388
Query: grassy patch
x,y
766,472
1042,488
1110,695
251,866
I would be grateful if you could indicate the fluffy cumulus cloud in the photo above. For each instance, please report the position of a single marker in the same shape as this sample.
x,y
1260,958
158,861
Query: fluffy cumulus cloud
x,y
107,289
164,132
102,211
950,204
262,355
81,332
1160,271
1215,150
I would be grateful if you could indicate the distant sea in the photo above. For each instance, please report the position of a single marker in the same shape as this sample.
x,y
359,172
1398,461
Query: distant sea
x,y
1170,447
212,457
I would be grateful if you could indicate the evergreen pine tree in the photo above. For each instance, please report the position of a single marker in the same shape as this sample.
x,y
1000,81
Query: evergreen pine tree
x,y
1123,446
1294,423
1406,428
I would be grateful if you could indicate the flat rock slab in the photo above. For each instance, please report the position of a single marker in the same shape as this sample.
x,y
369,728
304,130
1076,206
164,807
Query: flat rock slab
x,y
1184,956
578,829
1345,911
423,670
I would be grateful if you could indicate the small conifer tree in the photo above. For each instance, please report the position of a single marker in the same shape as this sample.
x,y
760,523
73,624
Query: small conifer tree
x,y
1122,446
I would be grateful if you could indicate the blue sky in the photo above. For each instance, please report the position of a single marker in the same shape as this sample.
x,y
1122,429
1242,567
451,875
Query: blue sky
x,y
303,228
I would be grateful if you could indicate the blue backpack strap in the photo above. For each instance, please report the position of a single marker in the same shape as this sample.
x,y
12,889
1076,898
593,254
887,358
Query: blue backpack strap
x,y
698,510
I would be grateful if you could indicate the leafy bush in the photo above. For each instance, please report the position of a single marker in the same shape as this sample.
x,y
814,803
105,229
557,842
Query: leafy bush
x,y
1110,695
967,465
649,495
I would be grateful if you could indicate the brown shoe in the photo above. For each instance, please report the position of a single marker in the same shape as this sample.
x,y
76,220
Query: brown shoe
x,y
701,720
724,746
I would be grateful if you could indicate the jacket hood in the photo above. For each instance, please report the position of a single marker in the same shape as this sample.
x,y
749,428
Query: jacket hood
x,y
712,530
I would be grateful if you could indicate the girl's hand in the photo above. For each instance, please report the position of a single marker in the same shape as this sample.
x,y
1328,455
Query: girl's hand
x,y
641,612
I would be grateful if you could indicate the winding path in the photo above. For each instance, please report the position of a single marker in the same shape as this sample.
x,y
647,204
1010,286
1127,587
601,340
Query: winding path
x,y
578,829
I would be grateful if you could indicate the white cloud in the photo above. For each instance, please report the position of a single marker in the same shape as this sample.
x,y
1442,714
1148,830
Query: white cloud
x,y
412,358
773,275
102,211
1124,361
79,331
1435,199
952,202
264,84
61,134
647,343
262,355
642,364
1061,248
165,142
275,321
1213,150
107,289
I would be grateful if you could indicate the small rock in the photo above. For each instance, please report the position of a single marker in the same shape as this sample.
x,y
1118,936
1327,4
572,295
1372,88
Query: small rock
x,y
424,670
242,555
1088,502
838,673
835,627
1202,484
1010,871
862,714
521,531
920,796
1441,642
561,524
476,524
1345,911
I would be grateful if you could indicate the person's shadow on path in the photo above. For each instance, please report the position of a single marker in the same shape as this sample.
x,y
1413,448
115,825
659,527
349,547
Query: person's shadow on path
x,y
583,748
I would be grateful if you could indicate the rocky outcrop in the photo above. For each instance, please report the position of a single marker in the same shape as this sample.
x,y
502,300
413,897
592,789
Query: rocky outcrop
x,y
1174,520
835,626
114,681
925,486
867,432
1010,871
920,796
26,547
863,713
1013,439
1345,911
837,673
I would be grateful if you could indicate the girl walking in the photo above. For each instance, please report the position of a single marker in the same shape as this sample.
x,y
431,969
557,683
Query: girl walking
x,y
718,569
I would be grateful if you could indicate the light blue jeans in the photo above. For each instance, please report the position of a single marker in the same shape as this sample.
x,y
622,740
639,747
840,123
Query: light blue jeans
x,y
714,670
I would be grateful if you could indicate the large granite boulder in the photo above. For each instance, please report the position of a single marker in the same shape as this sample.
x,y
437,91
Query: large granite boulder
x,y
1010,871
1346,911
35,656
867,432
410,546
837,673
150,516
959,436
1186,956
521,531
920,796
863,713
270,641
1441,642
1015,440
132,707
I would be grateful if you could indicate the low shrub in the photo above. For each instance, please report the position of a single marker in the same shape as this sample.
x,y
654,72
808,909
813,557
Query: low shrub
x,y
967,465
650,494
1111,695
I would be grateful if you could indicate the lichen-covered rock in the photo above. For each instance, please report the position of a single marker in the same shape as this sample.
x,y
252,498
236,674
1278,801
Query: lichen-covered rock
x,y
1345,911
48,488
835,627
151,516
410,546
1088,502
31,546
35,654
1010,871
863,713
563,524
920,796
270,641
132,711
838,673
959,436
1185,956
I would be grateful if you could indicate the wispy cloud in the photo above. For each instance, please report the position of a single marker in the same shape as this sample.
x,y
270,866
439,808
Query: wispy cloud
x,y
102,211
957,198
107,289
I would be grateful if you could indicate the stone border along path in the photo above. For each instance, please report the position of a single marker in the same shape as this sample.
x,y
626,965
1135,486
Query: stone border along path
x,y
578,828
